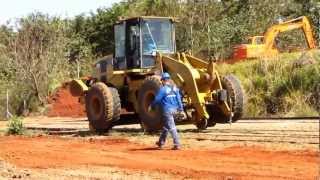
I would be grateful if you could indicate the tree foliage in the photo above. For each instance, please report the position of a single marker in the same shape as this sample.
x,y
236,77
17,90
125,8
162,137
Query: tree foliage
x,y
33,58
211,27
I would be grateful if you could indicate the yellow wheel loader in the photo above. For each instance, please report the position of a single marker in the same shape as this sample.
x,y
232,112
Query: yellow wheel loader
x,y
144,48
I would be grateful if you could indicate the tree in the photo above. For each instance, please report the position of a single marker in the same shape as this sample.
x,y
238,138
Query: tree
x,y
37,56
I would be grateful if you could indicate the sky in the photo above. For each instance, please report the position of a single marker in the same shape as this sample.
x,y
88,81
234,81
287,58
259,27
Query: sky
x,y
12,9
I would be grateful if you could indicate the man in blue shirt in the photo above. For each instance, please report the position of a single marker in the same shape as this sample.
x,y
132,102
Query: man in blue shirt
x,y
169,99
149,45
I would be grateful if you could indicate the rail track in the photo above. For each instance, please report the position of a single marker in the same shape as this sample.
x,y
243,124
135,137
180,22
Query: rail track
x,y
282,118
296,131
301,131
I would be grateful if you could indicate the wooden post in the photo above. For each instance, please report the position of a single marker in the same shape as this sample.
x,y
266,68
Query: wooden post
x,y
7,105
7,108
8,114
78,69
318,8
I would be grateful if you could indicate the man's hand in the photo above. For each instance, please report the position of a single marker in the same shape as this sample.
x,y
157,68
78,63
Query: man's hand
x,y
151,108
181,115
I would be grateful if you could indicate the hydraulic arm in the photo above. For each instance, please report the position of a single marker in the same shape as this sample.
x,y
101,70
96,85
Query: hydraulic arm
x,y
201,83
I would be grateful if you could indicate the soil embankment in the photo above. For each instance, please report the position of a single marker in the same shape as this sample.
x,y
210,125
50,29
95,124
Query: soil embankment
x,y
63,104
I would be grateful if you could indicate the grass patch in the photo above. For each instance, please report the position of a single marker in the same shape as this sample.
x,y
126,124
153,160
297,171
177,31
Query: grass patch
x,y
297,105
2,132
15,126
285,85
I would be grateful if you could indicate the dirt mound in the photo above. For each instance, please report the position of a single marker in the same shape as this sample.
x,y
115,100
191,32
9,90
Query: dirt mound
x,y
63,104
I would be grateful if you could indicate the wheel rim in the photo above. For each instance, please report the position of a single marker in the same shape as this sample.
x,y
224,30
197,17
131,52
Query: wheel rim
x,y
97,106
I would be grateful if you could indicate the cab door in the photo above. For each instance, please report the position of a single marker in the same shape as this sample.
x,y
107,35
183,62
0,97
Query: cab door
x,y
133,44
119,59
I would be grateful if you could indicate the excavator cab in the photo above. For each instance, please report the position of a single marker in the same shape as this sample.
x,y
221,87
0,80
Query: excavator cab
x,y
255,40
138,39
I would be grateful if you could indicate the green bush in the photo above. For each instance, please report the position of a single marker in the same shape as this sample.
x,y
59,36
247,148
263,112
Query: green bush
x,y
15,126
276,86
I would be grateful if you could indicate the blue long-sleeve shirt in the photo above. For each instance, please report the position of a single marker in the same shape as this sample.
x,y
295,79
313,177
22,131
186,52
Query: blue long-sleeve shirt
x,y
169,98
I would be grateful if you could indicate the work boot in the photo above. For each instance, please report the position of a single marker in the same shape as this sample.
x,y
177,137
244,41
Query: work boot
x,y
176,148
159,145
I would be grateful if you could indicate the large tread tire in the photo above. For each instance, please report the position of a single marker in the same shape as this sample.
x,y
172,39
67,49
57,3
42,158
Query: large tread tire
x,y
235,95
99,107
150,120
116,104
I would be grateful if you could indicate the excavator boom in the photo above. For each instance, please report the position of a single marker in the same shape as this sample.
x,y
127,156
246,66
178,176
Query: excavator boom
x,y
301,22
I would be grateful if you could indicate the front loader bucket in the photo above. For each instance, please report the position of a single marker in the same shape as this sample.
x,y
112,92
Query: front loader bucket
x,y
78,87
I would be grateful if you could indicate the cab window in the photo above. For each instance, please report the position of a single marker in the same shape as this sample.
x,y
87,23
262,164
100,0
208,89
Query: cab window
x,y
119,37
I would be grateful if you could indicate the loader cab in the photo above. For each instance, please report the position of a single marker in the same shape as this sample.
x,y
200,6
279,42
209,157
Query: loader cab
x,y
138,39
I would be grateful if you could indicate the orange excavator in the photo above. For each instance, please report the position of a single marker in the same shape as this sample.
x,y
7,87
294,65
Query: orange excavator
x,y
264,46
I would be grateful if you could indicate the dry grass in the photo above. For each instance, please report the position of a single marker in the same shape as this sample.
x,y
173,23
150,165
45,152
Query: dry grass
x,y
273,84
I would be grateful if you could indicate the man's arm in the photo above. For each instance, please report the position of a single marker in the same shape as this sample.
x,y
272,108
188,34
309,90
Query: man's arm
x,y
158,97
178,94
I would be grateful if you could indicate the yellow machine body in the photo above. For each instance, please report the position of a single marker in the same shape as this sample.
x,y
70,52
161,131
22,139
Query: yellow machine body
x,y
134,80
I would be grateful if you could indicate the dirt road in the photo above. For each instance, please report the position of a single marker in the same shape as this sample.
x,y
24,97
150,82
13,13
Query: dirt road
x,y
261,150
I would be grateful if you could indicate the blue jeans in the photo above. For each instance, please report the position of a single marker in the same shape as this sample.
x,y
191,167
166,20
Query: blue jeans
x,y
169,126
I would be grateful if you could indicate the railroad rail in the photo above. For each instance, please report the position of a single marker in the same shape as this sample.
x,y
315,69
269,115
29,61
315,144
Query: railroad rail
x,y
282,118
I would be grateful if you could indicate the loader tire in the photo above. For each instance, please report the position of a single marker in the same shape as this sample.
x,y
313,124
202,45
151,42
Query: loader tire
x,y
99,107
235,95
116,104
150,119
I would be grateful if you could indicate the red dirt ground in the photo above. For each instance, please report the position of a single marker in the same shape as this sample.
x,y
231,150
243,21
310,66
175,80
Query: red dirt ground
x,y
234,162
63,104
